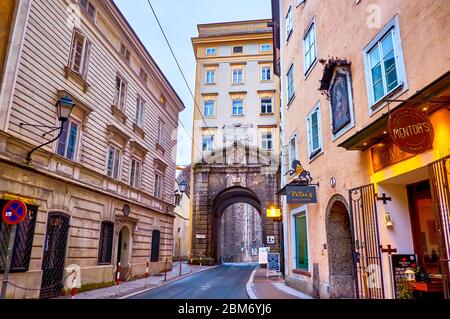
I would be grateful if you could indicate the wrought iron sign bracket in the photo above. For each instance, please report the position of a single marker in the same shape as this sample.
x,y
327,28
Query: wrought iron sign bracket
x,y
383,198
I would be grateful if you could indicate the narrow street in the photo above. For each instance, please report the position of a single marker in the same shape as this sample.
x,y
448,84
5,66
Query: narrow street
x,y
224,282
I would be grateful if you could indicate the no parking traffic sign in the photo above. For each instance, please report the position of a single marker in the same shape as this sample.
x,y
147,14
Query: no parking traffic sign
x,y
14,212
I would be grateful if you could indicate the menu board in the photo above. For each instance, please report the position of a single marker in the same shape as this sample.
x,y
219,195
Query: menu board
x,y
400,263
273,264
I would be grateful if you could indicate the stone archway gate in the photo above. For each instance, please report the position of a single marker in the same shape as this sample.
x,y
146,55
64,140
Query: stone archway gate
x,y
217,186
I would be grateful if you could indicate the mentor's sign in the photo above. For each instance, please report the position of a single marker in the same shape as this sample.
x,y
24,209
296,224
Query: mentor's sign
x,y
301,194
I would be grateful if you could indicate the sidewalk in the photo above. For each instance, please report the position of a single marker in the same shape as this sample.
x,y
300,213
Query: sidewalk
x,y
135,286
261,287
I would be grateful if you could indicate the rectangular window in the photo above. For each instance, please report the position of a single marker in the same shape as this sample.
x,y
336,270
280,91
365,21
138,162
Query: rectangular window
x,y
161,132
292,150
80,53
210,77
290,84
159,181
238,49
237,107
139,116
266,73
125,53
266,106
266,141
301,242
88,7
238,76
68,141
208,143
156,237
121,93
105,243
288,23
208,108
113,162
143,75
135,173
265,47
309,48
23,243
210,51
314,132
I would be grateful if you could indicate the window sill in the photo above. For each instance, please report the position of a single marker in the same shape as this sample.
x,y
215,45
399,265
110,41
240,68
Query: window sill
x,y
266,114
315,155
210,83
237,115
310,69
289,36
138,130
69,73
375,107
118,113
301,272
160,148
290,101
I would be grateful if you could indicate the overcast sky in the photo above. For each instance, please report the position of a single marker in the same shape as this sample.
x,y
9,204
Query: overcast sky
x,y
179,19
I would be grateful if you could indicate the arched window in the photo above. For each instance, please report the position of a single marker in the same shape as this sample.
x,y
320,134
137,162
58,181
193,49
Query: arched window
x,y
156,235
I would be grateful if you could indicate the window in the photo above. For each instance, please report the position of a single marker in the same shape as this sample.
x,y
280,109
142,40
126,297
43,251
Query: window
x,y
301,242
135,173
139,116
210,51
68,141
161,132
309,48
292,150
238,76
105,243
208,143
113,162
125,53
266,47
266,105
210,77
121,93
159,185
290,84
23,243
266,141
143,75
266,73
288,23
238,49
238,107
385,67
208,108
156,235
88,7
80,53
314,132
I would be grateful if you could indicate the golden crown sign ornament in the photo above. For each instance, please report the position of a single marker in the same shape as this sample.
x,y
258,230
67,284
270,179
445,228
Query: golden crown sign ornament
x,y
301,190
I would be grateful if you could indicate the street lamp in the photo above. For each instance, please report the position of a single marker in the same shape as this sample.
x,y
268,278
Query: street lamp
x,y
182,185
64,108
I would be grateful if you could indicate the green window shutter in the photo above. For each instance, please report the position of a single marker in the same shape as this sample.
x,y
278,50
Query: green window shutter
x,y
301,242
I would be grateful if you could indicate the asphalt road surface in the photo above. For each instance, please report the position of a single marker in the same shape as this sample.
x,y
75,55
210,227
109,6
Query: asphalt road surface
x,y
224,282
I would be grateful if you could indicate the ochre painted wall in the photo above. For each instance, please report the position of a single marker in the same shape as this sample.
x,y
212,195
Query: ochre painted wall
x,y
7,13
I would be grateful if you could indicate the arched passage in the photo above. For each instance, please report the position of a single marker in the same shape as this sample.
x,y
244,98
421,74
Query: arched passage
x,y
340,253
224,200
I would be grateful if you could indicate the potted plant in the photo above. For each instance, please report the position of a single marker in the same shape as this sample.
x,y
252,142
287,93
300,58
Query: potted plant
x,y
405,290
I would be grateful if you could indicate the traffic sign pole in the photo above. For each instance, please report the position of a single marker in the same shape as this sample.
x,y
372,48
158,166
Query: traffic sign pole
x,y
12,238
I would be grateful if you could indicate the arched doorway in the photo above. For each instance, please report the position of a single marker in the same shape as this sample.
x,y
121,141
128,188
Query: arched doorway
x,y
123,251
340,252
230,199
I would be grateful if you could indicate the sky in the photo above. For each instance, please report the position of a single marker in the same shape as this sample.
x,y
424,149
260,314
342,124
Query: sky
x,y
179,19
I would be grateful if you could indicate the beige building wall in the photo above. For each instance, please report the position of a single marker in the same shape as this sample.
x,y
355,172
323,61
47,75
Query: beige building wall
x,y
343,30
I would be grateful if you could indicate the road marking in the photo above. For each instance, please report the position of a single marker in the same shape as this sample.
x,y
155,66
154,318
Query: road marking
x,y
249,286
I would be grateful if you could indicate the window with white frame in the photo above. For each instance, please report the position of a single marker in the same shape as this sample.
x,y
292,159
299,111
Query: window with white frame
x,y
114,155
125,53
314,132
80,53
135,173
210,51
309,47
68,141
210,77
266,73
121,93
292,155
237,107
301,241
208,108
159,185
208,143
266,141
161,127
266,105
88,7
290,83
289,23
238,75
265,47
139,116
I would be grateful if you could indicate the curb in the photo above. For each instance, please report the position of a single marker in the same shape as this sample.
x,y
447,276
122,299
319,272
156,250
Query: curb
x,y
249,285
166,283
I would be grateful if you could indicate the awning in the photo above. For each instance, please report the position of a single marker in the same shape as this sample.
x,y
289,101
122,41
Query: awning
x,y
26,200
431,98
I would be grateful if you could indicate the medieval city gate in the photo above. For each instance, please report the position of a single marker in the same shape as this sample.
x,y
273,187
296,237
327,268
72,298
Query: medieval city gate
x,y
216,187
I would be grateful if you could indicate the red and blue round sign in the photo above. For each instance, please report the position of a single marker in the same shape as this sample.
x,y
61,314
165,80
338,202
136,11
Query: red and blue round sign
x,y
14,212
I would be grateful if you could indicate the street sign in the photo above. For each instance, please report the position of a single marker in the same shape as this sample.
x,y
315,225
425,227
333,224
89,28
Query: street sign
x,y
273,264
14,212
270,240
262,258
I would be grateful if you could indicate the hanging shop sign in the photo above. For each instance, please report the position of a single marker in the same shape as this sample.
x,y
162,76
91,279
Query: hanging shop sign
x,y
411,130
300,194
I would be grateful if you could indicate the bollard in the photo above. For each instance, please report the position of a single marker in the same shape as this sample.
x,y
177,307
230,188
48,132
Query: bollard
x,y
201,260
118,278
181,264
165,271
191,263
146,269
74,283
